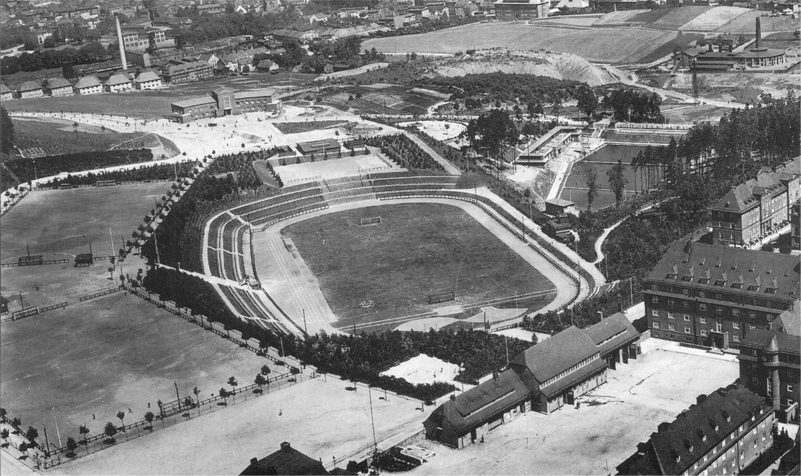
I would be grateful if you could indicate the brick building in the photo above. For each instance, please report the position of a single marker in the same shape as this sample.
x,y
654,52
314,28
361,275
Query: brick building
x,y
511,10
721,434
758,207
770,363
543,378
713,295
185,72
225,102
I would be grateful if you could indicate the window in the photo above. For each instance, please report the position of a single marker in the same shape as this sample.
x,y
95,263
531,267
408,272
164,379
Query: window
x,y
751,328
654,313
670,315
752,315
737,285
654,299
702,320
685,291
703,280
720,283
719,312
770,290
687,317
688,330
735,338
735,325
735,312
753,287
703,332
790,389
656,325
702,307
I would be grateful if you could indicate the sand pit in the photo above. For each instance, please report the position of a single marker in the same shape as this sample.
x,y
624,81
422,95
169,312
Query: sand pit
x,y
424,369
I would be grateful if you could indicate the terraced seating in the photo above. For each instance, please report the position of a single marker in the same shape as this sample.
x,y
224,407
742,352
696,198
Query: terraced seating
x,y
214,261
267,214
215,225
228,233
231,295
229,266
307,191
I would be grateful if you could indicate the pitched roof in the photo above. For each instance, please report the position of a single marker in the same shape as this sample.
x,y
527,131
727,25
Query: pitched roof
x,y
472,408
254,93
87,82
56,83
556,354
746,195
612,332
676,446
722,268
762,339
29,86
4,89
145,76
286,460
118,78
790,320
195,101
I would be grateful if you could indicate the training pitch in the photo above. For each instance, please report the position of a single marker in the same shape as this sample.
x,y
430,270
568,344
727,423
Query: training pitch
x,y
388,270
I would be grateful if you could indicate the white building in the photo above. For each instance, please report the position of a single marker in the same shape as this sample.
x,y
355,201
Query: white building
x,y
118,83
88,85
148,80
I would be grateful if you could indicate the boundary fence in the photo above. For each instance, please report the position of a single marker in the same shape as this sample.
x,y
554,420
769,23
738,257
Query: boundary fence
x,y
102,293
47,261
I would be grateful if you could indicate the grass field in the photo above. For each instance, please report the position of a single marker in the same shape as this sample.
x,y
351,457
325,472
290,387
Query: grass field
x,y
417,250
59,137
108,355
609,45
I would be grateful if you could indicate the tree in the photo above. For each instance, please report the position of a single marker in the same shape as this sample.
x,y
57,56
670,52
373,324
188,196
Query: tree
x,y
110,430
265,370
534,338
71,447
83,430
260,380
491,134
149,419
556,108
587,100
233,383
121,416
224,395
4,435
23,448
591,175
31,435
6,131
617,181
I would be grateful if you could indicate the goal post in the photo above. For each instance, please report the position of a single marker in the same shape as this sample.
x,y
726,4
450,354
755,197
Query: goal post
x,y
370,221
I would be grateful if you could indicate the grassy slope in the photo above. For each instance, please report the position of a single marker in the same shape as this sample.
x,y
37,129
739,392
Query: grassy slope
x,y
418,250
53,140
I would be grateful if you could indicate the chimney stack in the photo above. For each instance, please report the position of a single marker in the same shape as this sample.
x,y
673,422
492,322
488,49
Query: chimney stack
x,y
122,46
285,447
758,42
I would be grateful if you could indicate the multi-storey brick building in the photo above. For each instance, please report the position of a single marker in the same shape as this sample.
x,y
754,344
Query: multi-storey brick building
x,y
757,207
713,295
225,102
770,363
795,225
722,434
184,72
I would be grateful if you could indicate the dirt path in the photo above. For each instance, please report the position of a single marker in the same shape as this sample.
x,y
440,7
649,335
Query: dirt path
x,y
449,167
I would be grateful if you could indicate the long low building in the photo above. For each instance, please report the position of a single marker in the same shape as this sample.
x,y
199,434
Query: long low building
x,y
225,102
543,378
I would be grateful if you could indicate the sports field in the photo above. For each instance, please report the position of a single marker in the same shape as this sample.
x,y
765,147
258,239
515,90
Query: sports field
x,y
108,355
388,270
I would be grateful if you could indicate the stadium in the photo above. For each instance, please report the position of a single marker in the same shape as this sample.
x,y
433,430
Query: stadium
x,y
379,251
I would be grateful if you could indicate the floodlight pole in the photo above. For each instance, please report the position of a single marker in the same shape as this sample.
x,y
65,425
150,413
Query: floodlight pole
x,y
372,421
304,321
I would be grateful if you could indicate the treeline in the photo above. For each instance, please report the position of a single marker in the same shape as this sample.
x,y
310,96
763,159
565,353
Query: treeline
x,y
404,152
50,58
490,87
27,169
214,27
190,292
141,174
634,105
242,164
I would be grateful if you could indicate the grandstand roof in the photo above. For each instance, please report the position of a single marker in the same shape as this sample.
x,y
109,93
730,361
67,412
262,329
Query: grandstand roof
x,y
29,86
87,82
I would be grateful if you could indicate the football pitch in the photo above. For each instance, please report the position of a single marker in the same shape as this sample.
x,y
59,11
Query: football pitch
x,y
391,269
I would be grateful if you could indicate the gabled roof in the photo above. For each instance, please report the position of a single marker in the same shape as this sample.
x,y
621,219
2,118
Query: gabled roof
x,y
87,82
472,408
762,339
286,460
746,195
612,332
56,83
146,76
722,269
556,354
118,78
790,320
676,446
29,86
4,89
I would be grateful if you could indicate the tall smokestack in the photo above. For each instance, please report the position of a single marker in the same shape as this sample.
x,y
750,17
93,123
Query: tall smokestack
x,y
122,46
758,42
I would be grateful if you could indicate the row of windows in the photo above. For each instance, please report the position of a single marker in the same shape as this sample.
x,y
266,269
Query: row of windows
x,y
752,287
569,371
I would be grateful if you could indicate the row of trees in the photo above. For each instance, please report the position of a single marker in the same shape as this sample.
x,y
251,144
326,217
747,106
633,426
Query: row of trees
x,y
92,52
634,105
140,174
405,152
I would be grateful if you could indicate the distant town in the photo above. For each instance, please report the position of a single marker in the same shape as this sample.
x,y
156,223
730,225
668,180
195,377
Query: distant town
x,y
388,236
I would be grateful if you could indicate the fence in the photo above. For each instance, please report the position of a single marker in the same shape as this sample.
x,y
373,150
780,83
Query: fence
x,y
102,293
47,261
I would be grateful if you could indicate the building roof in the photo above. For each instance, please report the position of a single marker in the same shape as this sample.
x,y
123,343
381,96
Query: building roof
x,y
146,76
612,332
4,89
556,354
790,320
722,268
118,78
676,446
173,69
56,83
476,406
559,202
286,460
745,195
254,93
29,86
765,338
87,82
195,101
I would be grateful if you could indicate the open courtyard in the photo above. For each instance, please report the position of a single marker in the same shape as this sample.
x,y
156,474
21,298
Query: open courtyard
x,y
605,430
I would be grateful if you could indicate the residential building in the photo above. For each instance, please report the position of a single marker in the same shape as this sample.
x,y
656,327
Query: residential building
x,y
88,85
543,378
58,87
118,83
147,80
770,363
721,434
184,72
286,460
6,94
30,89
510,10
713,295
754,209
211,9
795,225
225,102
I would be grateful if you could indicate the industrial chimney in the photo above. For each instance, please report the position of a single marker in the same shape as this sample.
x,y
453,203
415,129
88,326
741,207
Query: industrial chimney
x,y
758,42
122,46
